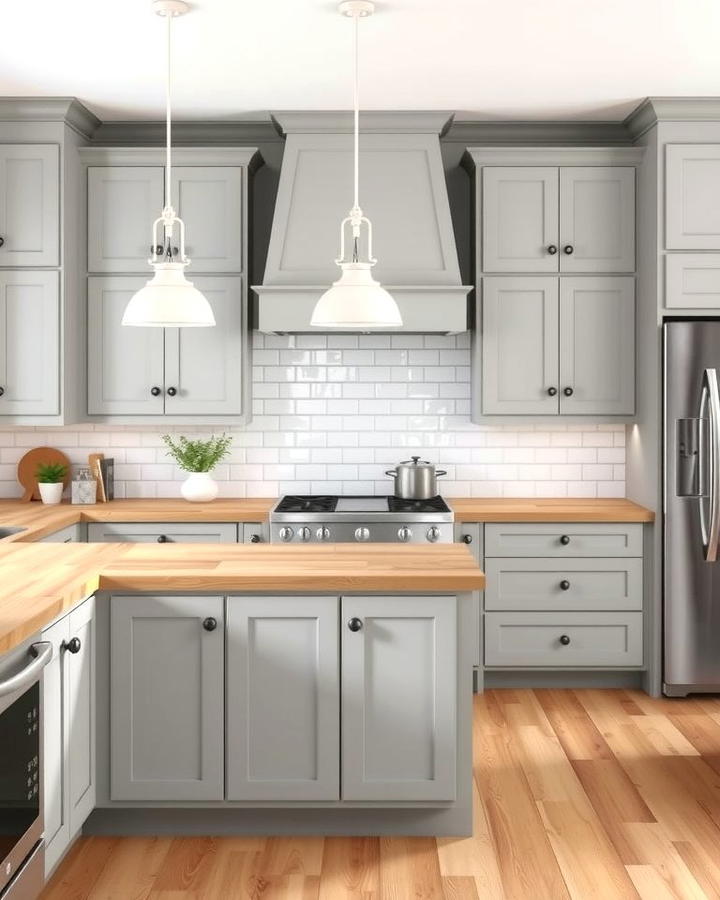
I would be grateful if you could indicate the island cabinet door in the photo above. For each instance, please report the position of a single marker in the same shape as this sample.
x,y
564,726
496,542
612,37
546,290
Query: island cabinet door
x,y
166,707
80,661
399,685
283,721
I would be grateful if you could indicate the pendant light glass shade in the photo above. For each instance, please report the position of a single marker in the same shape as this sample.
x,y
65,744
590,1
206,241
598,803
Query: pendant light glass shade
x,y
168,300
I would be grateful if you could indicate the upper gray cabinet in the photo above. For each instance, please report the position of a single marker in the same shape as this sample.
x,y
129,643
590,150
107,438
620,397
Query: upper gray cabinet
x,y
692,184
209,199
568,219
30,205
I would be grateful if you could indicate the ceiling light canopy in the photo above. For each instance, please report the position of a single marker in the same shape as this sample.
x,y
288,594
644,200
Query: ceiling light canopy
x,y
356,300
168,300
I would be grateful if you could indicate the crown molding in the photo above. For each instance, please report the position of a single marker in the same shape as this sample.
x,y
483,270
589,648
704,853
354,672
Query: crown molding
x,y
371,121
50,109
584,134
671,109
210,133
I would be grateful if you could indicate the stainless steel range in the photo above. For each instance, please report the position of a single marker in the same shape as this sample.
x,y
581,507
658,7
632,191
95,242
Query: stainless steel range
x,y
316,519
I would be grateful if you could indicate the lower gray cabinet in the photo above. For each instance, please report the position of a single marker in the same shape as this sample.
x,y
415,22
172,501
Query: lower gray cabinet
x,y
282,690
399,671
472,534
68,695
163,532
166,708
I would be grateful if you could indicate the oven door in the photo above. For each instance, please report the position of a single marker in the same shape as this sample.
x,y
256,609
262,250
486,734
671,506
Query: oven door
x,y
21,819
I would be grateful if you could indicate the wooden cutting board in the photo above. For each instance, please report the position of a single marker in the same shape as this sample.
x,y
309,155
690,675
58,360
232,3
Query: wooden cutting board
x,y
27,469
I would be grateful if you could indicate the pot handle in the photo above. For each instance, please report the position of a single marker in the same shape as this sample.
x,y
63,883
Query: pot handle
x,y
392,473
440,472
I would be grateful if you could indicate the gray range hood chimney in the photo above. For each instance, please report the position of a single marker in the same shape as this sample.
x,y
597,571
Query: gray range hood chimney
x,y
405,196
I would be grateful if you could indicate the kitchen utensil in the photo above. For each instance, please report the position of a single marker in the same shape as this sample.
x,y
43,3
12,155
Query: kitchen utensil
x,y
415,479
27,469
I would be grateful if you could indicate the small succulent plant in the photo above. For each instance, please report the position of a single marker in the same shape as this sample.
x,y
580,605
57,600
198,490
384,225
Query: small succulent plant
x,y
50,473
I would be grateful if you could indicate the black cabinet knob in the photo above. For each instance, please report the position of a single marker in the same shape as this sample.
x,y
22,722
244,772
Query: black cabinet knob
x,y
2,241
155,391
171,391
72,646
565,539
568,391
564,639
2,391
564,585
568,249
552,391
255,538
355,624
467,539
552,249
210,624
162,539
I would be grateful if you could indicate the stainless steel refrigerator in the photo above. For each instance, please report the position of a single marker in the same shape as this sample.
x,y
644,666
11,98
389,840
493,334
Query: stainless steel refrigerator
x,y
691,560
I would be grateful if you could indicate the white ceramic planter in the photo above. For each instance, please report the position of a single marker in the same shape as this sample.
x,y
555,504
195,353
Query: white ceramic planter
x,y
199,487
51,494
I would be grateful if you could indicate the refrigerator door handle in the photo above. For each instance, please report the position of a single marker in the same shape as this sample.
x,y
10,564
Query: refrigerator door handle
x,y
710,526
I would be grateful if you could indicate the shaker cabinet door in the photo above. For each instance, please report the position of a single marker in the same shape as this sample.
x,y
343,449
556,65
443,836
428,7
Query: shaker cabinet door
x,y
520,219
597,219
597,346
520,345
166,706
29,205
204,366
399,682
123,202
209,201
81,715
29,343
54,746
692,185
125,364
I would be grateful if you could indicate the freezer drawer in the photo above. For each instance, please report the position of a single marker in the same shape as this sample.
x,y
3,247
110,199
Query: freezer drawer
x,y
564,540
557,640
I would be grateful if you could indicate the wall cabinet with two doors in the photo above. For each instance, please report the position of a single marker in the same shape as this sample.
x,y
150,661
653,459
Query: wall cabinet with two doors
x,y
555,262
152,374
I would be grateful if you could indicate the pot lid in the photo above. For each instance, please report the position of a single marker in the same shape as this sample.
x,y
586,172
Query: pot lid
x,y
416,461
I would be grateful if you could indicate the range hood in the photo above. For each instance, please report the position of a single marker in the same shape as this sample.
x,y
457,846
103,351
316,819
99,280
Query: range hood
x,y
405,196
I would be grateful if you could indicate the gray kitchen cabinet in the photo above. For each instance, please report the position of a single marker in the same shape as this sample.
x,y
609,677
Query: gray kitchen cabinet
x,y
472,535
163,532
520,345
29,343
70,535
253,533
692,281
520,219
30,205
282,698
596,539
166,704
399,674
692,182
597,219
69,729
597,346
123,202
209,200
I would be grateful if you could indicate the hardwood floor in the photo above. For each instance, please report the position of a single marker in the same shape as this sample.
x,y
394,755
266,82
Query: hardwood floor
x,y
578,794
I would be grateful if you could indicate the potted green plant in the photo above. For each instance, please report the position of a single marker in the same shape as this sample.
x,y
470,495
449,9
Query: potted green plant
x,y
50,478
199,458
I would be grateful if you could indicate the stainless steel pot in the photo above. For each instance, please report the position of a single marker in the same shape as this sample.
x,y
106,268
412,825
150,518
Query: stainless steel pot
x,y
415,479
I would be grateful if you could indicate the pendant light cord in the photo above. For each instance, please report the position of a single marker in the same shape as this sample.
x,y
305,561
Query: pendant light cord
x,y
356,100
168,121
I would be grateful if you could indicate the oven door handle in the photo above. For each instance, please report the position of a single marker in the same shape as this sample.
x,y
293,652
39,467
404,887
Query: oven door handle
x,y
41,654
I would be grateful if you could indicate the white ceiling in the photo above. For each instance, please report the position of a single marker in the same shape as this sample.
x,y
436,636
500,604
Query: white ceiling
x,y
519,59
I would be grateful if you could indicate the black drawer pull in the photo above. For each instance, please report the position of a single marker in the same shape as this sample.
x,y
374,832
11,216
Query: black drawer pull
x,y
552,391
210,624
72,646
467,539
564,639
355,624
552,249
565,539
568,249
564,585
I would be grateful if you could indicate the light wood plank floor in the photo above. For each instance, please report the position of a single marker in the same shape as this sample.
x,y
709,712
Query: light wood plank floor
x,y
578,794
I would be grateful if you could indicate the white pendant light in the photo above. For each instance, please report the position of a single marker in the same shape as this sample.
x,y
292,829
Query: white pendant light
x,y
356,300
168,300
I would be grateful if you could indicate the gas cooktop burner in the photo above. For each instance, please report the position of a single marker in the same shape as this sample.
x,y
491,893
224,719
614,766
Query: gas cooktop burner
x,y
306,503
434,504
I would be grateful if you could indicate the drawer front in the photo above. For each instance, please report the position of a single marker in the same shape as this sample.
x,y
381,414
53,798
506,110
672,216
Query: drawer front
x,y
564,540
576,640
163,532
553,584
69,535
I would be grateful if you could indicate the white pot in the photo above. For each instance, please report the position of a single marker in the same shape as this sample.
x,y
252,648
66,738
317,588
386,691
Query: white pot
x,y
199,487
51,494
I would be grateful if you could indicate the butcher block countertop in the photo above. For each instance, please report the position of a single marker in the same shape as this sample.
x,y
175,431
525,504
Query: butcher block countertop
x,y
40,581
556,509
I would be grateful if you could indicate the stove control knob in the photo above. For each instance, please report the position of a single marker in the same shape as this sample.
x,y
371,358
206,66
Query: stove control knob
x,y
286,533
433,534
304,534
404,533
323,533
362,534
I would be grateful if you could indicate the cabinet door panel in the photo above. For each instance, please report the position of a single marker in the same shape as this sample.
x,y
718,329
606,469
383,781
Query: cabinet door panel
x,y
519,345
81,715
209,200
520,219
124,363
692,184
205,365
29,343
283,718
399,678
123,202
166,716
597,346
597,219
30,205
55,719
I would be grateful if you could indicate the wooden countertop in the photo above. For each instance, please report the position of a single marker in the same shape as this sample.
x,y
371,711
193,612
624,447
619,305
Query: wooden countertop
x,y
556,509
40,581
